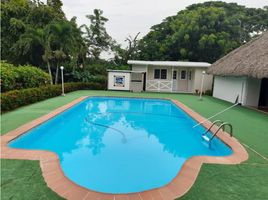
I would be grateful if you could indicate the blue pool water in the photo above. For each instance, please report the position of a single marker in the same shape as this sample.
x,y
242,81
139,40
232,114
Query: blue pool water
x,y
121,145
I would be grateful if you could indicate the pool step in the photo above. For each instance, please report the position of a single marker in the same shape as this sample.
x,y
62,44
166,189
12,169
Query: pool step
x,y
206,138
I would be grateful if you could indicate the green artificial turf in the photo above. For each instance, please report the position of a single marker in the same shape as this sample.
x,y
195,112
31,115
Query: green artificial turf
x,y
22,179
246,181
228,182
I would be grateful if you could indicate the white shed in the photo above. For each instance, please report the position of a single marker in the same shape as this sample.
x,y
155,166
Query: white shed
x,y
125,80
243,74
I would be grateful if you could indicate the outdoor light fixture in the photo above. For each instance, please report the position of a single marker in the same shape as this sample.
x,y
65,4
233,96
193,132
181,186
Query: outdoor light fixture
x,y
202,84
62,81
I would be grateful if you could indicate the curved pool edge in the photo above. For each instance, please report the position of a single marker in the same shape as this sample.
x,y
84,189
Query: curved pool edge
x,y
59,183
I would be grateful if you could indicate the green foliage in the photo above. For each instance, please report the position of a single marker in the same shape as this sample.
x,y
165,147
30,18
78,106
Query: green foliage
x,y
21,77
92,72
97,38
85,77
38,34
203,32
29,76
122,55
8,77
16,17
120,67
56,5
17,98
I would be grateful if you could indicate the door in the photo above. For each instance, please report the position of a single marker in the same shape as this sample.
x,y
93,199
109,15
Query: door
x,y
183,82
144,81
175,81
263,99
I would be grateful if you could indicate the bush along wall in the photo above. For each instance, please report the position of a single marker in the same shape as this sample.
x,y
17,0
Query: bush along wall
x,y
21,77
17,98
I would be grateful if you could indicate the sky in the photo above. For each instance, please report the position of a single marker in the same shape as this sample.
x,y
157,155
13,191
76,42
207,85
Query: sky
x,y
129,17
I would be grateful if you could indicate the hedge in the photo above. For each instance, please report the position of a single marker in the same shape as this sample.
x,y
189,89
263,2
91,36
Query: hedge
x,y
21,77
17,98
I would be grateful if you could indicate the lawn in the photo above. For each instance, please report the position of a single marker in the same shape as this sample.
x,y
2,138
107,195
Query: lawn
x,y
249,180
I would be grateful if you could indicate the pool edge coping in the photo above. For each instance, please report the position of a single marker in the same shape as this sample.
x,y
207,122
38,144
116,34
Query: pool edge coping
x,y
63,186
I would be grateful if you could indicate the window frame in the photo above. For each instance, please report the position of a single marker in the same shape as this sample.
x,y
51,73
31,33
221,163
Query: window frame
x,y
190,75
176,75
160,75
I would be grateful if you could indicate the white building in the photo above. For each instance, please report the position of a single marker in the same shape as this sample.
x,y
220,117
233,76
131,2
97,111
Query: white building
x,y
243,74
161,76
126,80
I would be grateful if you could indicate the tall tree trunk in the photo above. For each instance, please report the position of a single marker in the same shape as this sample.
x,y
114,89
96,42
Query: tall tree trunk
x,y
57,73
49,72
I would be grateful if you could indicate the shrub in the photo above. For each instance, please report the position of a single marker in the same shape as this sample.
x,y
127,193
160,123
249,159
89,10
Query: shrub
x,y
17,98
30,77
85,76
21,77
8,77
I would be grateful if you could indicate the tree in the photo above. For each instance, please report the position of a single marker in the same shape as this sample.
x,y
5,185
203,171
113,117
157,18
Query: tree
x,y
16,17
53,41
35,44
56,6
12,25
97,38
122,55
61,41
79,48
203,32
39,34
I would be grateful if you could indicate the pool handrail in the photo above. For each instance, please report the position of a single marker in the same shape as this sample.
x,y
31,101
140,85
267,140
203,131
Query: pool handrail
x,y
222,126
213,124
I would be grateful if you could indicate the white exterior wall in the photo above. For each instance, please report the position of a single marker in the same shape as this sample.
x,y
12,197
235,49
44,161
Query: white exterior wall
x,y
136,82
142,68
228,88
191,86
111,83
158,85
197,79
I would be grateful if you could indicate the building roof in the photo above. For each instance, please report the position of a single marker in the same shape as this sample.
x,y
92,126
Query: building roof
x,y
169,63
125,71
251,60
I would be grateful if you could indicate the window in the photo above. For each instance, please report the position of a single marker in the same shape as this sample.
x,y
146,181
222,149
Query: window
x,y
190,75
160,74
163,74
183,74
156,73
174,75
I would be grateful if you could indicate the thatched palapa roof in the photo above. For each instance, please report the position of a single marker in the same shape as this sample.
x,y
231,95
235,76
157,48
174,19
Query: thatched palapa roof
x,y
251,59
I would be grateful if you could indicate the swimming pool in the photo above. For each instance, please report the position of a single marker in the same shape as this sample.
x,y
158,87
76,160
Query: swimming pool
x,y
121,145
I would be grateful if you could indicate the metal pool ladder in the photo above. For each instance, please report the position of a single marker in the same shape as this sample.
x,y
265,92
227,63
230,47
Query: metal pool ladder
x,y
222,126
